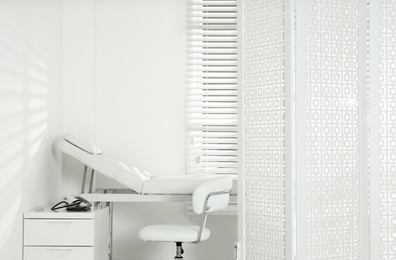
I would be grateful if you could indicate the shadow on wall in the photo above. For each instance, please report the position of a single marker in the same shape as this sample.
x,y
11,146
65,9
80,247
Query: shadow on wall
x,y
23,118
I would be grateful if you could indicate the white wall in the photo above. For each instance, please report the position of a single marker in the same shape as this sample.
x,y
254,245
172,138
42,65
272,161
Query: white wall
x,y
124,81
140,76
30,113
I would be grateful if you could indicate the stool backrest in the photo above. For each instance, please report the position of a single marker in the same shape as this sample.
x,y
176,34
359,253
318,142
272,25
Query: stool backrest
x,y
215,191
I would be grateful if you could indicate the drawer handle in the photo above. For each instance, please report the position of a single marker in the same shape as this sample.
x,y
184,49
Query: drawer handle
x,y
59,225
59,252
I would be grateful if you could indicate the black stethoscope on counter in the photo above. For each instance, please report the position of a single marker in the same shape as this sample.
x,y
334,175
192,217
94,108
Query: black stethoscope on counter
x,y
78,204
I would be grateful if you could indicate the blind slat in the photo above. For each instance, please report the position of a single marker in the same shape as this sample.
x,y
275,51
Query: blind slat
x,y
210,121
212,104
203,92
209,3
213,80
212,15
211,134
210,69
223,118
192,155
213,170
213,38
209,110
215,100
215,87
204,140
206,8
217,74
213,45
209,29
217,147
220,61
213,21
214,128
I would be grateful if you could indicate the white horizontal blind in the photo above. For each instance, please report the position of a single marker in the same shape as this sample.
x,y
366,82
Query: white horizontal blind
x,y
211,94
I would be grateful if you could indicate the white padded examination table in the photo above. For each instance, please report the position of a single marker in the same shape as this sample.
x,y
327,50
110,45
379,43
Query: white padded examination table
x,y
142,186
138,181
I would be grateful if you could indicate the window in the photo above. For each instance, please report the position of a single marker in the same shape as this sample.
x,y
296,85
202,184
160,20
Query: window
x,y
211,94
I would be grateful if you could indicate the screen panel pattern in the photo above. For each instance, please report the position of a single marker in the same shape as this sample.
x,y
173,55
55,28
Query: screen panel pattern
x,y
388,128
332,129
264,129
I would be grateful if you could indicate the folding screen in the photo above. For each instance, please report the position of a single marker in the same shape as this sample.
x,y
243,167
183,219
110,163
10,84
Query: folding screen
x,y
387,125
319,164
264,129
334,130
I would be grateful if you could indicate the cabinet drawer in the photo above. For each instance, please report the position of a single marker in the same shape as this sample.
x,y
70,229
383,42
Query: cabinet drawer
x,y
64,232
58,253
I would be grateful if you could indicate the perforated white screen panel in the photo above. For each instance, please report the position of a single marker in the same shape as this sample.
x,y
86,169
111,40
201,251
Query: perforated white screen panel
x,y
264,124
332,129
388,128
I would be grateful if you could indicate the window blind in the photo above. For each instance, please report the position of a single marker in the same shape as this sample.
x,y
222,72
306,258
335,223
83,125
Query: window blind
x,y
211,94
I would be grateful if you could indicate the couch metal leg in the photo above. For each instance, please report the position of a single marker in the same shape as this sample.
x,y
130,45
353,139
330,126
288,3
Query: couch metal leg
x,y
84,178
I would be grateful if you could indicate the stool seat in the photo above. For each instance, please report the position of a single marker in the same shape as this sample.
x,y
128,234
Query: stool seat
x,y
173,233
210,196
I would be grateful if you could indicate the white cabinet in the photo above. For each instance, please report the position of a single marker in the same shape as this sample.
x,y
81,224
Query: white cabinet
x,y
63,235
58,253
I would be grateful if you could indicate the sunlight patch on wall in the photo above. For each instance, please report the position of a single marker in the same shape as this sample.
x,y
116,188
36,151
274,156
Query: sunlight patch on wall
x,y
23,117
